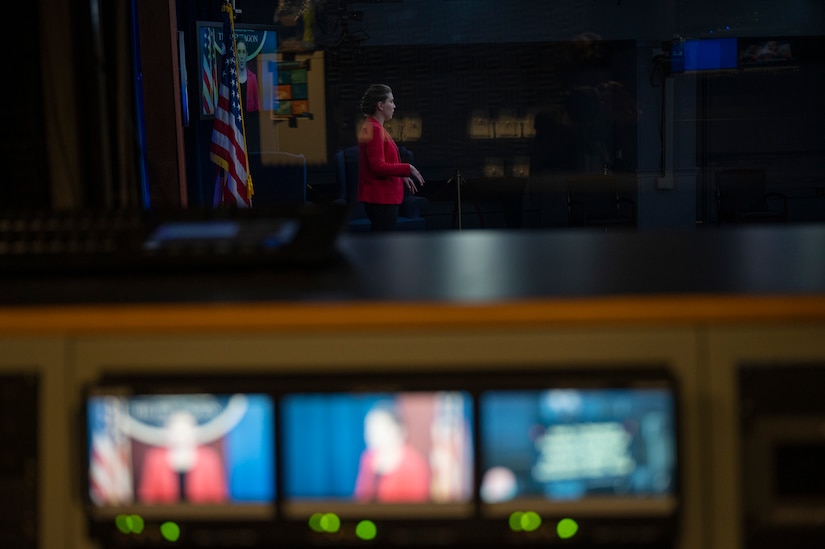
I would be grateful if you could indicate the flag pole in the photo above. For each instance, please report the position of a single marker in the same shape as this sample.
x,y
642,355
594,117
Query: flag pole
x,y
249,189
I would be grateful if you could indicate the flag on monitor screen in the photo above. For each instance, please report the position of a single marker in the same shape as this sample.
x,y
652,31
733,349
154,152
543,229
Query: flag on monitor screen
x,y
228,149
110,471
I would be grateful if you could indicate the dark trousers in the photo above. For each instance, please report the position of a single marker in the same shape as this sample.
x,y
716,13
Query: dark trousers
x,y
383,217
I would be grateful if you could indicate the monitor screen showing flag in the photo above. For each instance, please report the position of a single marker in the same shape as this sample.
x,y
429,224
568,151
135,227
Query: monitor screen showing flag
x,y
408,452
258,45
184,450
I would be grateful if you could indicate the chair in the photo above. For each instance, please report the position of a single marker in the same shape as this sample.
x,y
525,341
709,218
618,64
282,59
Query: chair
x,y
410,212
594,201
742,197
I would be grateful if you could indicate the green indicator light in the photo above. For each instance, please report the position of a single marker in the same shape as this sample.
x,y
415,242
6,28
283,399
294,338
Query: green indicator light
x,y
515,521
315,522
137,523
567,528
366,530
330,523
170,531
124,524
530,521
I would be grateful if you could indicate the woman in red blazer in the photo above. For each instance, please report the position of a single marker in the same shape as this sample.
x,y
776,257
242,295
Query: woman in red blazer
x,y
381,175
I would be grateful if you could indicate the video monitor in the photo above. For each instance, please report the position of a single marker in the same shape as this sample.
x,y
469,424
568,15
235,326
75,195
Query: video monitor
x,y
766,53
180,455
709,54
579,450
377,454
255,44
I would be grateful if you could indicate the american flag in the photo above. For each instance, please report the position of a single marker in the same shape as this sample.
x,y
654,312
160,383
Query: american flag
x,y
228,149
450,453
110,471
209,72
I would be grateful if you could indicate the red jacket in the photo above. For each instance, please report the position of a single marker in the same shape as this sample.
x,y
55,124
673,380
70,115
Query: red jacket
x,y
205,483
409,482
380,170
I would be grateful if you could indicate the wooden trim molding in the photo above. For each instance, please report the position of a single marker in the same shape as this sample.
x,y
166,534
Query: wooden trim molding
x,y
357,316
